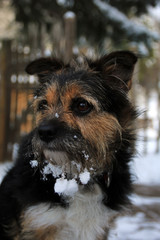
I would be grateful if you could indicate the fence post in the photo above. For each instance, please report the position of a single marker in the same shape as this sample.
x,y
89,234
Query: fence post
x,y
70,34
5,97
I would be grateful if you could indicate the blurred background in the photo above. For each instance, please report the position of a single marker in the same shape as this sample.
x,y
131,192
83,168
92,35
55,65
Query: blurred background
x,y
71,28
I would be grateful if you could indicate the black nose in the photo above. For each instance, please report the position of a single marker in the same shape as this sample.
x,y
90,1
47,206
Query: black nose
x,y
48,130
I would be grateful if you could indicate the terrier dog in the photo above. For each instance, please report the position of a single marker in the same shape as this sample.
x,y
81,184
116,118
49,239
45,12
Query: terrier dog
x,y
72,172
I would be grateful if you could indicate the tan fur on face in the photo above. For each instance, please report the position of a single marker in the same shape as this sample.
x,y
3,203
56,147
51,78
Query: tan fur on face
x,y
98,128
52,94
71,92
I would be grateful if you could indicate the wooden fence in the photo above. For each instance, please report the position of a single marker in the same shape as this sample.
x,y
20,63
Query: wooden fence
x,y
15,97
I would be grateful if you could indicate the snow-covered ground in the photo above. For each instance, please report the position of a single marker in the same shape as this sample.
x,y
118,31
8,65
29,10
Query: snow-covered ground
x,y
135,227
3,170
147,169
141,223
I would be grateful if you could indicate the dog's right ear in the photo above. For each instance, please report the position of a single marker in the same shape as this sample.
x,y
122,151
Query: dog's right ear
x,y
118,66
43,66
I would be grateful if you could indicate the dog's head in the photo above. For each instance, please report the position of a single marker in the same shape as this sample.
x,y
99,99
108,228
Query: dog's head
x,y
82,111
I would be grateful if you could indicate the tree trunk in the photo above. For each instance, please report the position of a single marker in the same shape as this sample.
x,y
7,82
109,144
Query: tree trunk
x,y
5,97
70,35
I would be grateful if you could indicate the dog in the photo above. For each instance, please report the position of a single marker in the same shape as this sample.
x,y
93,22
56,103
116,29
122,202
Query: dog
x,y
72,172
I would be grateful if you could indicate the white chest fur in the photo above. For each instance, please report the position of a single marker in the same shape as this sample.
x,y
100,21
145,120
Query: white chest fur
x,y
86,218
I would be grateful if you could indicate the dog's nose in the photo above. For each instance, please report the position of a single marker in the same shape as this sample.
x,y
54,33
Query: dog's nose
x,y
47,131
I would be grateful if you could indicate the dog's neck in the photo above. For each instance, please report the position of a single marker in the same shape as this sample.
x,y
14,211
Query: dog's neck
x,y
86,217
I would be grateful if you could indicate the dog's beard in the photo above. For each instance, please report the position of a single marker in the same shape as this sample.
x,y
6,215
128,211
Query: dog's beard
x,y
68,168
69,157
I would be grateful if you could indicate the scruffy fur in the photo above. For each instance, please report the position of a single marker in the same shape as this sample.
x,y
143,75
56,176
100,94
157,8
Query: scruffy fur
x,y
84,122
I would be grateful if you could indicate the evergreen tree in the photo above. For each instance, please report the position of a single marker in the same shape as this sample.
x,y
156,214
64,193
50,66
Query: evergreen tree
x,y
96,19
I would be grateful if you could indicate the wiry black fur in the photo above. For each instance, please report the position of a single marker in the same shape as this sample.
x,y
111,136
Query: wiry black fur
x,y
23,186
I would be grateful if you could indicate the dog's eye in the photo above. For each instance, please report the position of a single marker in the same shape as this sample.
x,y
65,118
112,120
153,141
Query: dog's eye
x,y
81,107
42,105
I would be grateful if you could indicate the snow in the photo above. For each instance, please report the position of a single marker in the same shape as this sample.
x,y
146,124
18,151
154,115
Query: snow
x,y
131,28
66,187
135,227
140,200
84,177
139,226
147,166
69,15
78,165
142,49
86,156
155,12
61,2
35,97
56,115
4,168
147,169
63,186
69,187
34,163
15,151
55,170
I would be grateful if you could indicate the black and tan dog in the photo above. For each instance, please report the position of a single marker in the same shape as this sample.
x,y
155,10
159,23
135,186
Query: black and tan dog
x,y
72,172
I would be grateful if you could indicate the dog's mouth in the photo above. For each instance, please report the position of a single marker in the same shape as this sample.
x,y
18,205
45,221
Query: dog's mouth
x,y
70,158
69,175
59,164
55,157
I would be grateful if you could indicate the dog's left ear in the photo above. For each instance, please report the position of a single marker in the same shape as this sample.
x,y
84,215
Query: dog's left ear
x,y
117,65
44,66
